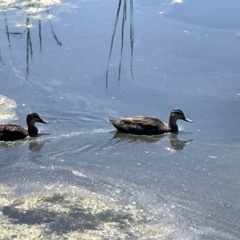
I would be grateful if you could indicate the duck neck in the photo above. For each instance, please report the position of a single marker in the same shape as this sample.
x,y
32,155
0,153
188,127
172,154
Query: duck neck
x,y
32,129
173,124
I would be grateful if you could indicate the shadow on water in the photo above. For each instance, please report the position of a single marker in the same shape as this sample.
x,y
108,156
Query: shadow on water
x,y
31,10
173,138
64,222
124,6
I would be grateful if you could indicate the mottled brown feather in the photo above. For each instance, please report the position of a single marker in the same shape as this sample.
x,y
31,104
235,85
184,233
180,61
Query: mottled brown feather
x,y
11,132
142,125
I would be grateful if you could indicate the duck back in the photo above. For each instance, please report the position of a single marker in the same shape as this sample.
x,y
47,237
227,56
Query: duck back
x,y
141,125
12,132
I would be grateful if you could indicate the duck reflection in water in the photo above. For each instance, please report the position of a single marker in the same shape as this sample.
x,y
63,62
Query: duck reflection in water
x,y
173,138
36,146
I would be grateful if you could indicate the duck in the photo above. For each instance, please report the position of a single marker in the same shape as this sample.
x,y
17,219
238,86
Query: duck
x,y
12,132
148,125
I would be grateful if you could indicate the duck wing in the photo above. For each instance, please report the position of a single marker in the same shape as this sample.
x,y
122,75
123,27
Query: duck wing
x,y
11,132
145,125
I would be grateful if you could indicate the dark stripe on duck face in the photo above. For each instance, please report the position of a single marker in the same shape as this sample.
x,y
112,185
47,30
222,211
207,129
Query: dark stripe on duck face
x,y
179,113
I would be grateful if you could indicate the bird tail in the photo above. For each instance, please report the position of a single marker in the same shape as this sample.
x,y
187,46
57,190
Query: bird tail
x,y
115,123
112,121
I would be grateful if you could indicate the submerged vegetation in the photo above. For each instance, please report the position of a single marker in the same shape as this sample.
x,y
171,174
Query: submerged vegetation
x,y
20,17
72,214
7,109
124,6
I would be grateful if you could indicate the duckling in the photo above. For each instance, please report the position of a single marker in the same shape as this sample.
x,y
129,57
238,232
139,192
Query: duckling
x,y
147,125
12,132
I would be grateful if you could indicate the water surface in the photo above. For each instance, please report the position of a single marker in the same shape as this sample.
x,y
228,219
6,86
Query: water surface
x,y
79,63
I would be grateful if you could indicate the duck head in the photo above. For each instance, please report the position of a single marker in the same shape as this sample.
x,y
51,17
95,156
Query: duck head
x,y
32,118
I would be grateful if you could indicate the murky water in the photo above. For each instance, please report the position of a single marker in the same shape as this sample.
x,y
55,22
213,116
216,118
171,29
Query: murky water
x,y
79,63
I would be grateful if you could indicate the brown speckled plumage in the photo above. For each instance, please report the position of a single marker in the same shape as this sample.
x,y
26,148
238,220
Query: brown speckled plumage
x,y
12,132
144,125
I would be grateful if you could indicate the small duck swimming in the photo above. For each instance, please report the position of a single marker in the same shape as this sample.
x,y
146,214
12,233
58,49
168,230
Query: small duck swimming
x,y
12,132
146,125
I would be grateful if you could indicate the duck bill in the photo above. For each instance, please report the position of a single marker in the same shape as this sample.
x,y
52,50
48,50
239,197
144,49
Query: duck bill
x,y
188,120
42,121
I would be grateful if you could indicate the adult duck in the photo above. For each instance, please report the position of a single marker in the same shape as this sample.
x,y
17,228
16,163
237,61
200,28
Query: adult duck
x,y
12,132
147,125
